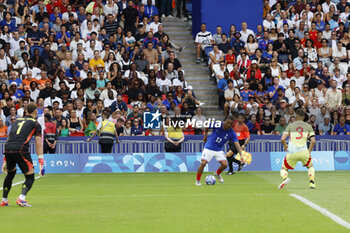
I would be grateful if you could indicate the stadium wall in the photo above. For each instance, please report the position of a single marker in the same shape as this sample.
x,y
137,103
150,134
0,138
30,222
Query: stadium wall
x,y
225,13
177,162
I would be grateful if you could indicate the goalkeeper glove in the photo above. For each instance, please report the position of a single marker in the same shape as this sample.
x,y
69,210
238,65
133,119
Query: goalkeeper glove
x,y
41,167
4,166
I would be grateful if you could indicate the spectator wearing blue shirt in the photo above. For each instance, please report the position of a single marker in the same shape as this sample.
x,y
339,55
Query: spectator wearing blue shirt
x,y
35,37
56,13
119,104
246,93
151,39
169,99
341,128
18,92
264,41
63,36
273,90
13,79
7,21
298,61
151,10
320,25
333,23
237,44
137,129
72,73
222,86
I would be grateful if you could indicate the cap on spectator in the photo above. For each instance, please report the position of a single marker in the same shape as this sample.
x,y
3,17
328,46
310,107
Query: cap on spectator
x,y
63,44
71,15
238,33
283,101
34,25
319,82
96,92
13,84
100,66
254,62
326,116
66,92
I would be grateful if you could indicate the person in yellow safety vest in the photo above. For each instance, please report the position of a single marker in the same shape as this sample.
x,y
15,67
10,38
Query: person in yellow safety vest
x,y
107,132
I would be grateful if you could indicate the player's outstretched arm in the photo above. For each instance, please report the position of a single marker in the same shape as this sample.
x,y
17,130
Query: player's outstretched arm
x,y
239,149
93,135
312,143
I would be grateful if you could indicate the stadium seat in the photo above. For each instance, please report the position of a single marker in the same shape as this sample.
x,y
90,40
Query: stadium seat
x,y
41,49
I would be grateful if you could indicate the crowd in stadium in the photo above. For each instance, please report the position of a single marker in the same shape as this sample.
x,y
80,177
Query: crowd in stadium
x,y
76,59
297,58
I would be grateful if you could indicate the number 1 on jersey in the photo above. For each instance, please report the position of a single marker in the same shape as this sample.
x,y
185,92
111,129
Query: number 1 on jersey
x,y
20,125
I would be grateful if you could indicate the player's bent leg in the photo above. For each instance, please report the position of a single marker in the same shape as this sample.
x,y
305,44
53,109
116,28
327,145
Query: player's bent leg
x,y
27,185
223,166
200,171
284,175
7,186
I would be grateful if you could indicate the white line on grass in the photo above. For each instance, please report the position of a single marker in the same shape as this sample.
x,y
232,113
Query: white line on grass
x,y
323,211
21,182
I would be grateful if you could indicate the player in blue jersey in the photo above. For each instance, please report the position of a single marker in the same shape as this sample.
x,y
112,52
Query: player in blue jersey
x,y
214,147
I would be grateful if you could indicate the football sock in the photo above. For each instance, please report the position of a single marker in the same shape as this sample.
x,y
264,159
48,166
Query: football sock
x,y
8,183
236,160
284,173
4,199
27,184
198,176
311,173
218,172
229,160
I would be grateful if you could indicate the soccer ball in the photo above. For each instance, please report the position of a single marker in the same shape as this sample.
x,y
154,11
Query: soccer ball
x,y
210,180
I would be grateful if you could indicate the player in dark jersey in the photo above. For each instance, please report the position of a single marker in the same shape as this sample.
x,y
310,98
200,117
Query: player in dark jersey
x,y
17,152
214,148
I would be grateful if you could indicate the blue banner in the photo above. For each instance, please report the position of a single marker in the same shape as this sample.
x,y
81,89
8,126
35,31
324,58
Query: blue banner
x,y
322,161
342,160
177,162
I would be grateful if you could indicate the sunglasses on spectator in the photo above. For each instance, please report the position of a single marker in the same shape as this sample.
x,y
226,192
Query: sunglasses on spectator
x,y
136,121
127,123
13,119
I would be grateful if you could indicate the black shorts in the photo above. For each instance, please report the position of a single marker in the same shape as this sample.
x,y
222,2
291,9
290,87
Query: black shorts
x,y
24,161
233,147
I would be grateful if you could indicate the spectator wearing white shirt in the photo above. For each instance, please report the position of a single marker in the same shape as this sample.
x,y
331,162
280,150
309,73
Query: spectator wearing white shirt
x,y
340,52
245,32
154,25
48,102
35,71
339,78
111,8
203,40
290,91
326,5
65,15
164,84
268,23
299,80
5,61
74,43
284,20
284,80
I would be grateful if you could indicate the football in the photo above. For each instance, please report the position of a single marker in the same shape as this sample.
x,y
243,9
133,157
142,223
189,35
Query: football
x,y
210,180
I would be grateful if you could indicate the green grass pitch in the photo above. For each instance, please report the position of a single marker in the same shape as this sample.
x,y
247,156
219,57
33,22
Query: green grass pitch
x,y
170,202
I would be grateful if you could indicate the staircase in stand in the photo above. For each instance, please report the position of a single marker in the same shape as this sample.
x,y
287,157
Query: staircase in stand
x,y
196,75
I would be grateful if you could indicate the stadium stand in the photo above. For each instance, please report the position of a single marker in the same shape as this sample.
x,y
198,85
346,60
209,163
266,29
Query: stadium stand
x,y
298,57
76,60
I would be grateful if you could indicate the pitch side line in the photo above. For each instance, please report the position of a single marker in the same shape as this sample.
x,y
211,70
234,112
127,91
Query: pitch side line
x,y
21,182
323,211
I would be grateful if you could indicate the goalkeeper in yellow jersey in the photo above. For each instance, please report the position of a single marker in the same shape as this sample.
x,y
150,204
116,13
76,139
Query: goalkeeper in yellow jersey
x,y
298,132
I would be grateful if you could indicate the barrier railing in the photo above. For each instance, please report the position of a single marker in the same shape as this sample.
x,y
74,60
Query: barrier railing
x,y
155,144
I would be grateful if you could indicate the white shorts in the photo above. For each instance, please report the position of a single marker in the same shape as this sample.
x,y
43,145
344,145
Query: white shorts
x,y
207,155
